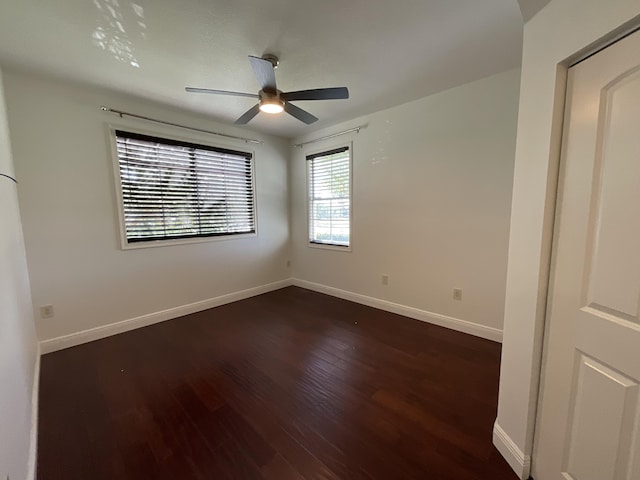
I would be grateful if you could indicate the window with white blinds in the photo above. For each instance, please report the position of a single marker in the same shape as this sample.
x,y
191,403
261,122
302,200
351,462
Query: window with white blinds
x,y
329,187
179,190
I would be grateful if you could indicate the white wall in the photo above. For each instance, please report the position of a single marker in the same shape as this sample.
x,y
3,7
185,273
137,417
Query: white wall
x,y
559,31
68,205
530,7
18,344
432,183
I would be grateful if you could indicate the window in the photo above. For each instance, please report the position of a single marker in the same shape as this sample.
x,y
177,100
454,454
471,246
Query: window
x,y
173,190
329,186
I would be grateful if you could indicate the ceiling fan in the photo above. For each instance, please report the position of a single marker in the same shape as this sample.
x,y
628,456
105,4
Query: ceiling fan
x,y
272,100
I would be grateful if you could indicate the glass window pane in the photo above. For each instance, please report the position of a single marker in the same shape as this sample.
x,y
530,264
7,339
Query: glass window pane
x,y
329,197
172,189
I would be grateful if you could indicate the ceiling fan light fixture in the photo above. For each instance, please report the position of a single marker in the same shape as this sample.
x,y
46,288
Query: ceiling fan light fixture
x,y
271,105
274,101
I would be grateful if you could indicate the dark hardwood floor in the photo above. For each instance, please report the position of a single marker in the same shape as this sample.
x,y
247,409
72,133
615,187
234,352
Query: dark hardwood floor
x,y
288,385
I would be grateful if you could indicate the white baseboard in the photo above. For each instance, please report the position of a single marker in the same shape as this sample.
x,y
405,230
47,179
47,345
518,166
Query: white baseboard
x,y
464,326
97,333
35,396
77,338
517,460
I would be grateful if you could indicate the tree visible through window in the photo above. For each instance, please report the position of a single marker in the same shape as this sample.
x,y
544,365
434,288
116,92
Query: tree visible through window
x,y
329,186
176,190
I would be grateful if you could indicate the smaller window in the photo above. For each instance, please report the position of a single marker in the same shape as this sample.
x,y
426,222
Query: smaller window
x,y
329,187
175,190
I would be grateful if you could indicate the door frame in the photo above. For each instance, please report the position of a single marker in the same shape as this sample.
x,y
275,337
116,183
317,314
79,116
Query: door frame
x,y
556,38
563,70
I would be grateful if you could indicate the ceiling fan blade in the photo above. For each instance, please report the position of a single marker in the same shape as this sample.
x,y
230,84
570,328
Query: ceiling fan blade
x,y
248,115
337,93
220,92
299,113
264,73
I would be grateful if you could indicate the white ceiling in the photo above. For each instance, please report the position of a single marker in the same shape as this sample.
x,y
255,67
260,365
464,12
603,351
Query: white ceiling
x,y
386,52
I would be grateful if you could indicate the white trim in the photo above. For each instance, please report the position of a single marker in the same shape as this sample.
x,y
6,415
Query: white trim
x,y
517,460
35,395
73,339
85,336
457,324
330,246
185,241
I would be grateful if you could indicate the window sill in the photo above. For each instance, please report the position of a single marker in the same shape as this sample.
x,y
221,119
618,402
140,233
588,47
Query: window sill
x,y
184,241
324,246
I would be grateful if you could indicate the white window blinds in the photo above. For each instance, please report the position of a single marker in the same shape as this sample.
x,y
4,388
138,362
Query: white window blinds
x,y
176,190
329,177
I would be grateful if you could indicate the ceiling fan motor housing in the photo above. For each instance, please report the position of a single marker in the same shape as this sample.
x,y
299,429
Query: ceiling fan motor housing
x,y
269,57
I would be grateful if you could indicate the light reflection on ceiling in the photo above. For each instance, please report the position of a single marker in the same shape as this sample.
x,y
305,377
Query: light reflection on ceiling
x,y
110,34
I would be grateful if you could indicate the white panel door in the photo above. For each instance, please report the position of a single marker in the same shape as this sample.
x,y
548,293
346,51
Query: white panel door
x,y
589,418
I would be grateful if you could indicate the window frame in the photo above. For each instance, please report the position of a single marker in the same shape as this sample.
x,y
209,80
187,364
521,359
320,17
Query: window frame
x,y
316,152
171,136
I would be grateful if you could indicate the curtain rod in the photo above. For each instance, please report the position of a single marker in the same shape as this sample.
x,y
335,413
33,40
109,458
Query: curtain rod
x,y
142,117
354,129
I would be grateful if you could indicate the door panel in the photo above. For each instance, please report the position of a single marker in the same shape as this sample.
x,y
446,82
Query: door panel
x,y
596,441
588,425
615,276
610,339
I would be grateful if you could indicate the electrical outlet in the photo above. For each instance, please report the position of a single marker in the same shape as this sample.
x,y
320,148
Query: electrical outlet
x,y
457,294
385,279
288,263
46,311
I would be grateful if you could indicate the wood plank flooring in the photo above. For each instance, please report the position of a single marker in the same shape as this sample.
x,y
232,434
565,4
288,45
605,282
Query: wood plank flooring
x,y
292,384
